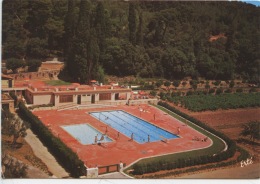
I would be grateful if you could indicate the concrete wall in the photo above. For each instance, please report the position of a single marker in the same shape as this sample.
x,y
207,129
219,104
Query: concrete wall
x,y
85,99
36,75
143,101
42,99
5,83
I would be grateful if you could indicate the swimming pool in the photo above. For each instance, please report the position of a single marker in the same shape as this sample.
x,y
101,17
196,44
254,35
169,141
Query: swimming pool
x,y
85,133
128,124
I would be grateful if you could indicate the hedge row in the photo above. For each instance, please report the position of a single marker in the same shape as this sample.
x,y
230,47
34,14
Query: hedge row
x,y
64,155
181,163
243,156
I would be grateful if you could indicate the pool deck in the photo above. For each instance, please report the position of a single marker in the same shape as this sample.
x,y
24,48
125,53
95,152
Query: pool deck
x,y
122,149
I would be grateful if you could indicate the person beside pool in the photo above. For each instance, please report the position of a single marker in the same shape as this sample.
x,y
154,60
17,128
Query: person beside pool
x,y
132,136
179,130
148,138
96,139
102,138
118,134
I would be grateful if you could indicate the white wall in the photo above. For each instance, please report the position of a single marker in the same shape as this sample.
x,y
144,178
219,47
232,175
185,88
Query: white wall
x,y
41,99
85,99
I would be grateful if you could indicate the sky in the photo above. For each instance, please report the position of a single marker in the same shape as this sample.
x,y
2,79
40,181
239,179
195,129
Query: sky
x,y
254,2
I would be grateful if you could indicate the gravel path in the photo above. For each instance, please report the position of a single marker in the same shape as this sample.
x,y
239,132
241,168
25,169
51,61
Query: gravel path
x,y
42,152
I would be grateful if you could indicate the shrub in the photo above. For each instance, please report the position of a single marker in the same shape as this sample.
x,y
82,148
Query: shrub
x,y
153,93
189,93
159,83
232,84
207,86
211,91
192,82
216,83
239,90
176,94
176,83
253,90
167,83
219,91
228,91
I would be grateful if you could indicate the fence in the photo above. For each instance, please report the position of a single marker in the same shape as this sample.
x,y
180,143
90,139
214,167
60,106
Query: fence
x,y
109,168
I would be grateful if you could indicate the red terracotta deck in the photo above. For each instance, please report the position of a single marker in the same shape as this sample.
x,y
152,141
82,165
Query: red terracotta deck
x,y
121,149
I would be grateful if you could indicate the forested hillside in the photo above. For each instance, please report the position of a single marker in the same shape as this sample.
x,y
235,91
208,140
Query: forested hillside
x,y
214,40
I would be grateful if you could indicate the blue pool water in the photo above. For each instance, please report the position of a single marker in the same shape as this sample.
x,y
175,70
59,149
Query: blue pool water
x,y
85,133
128,124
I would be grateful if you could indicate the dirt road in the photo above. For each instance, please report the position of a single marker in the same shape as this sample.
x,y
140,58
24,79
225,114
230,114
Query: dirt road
x,y
247,172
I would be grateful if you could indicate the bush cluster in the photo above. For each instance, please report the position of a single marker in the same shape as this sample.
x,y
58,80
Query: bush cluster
x,y
181,163
65,156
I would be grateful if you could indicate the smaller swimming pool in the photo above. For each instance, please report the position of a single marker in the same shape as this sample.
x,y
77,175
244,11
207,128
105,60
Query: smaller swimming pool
x,y
85,133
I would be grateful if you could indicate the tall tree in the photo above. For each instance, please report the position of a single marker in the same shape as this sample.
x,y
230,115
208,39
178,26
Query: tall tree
x,y
132,23
100,25
69,36
80,44
139,34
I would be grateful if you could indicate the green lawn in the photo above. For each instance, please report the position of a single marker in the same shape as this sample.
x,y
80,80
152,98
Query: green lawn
x,y
57,82
216,147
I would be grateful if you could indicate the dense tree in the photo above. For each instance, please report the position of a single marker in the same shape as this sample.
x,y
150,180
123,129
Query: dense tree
x,y
14,64
14,35
154,39
33,65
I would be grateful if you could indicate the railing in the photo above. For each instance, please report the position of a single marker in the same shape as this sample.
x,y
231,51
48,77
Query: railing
x,y
109,168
